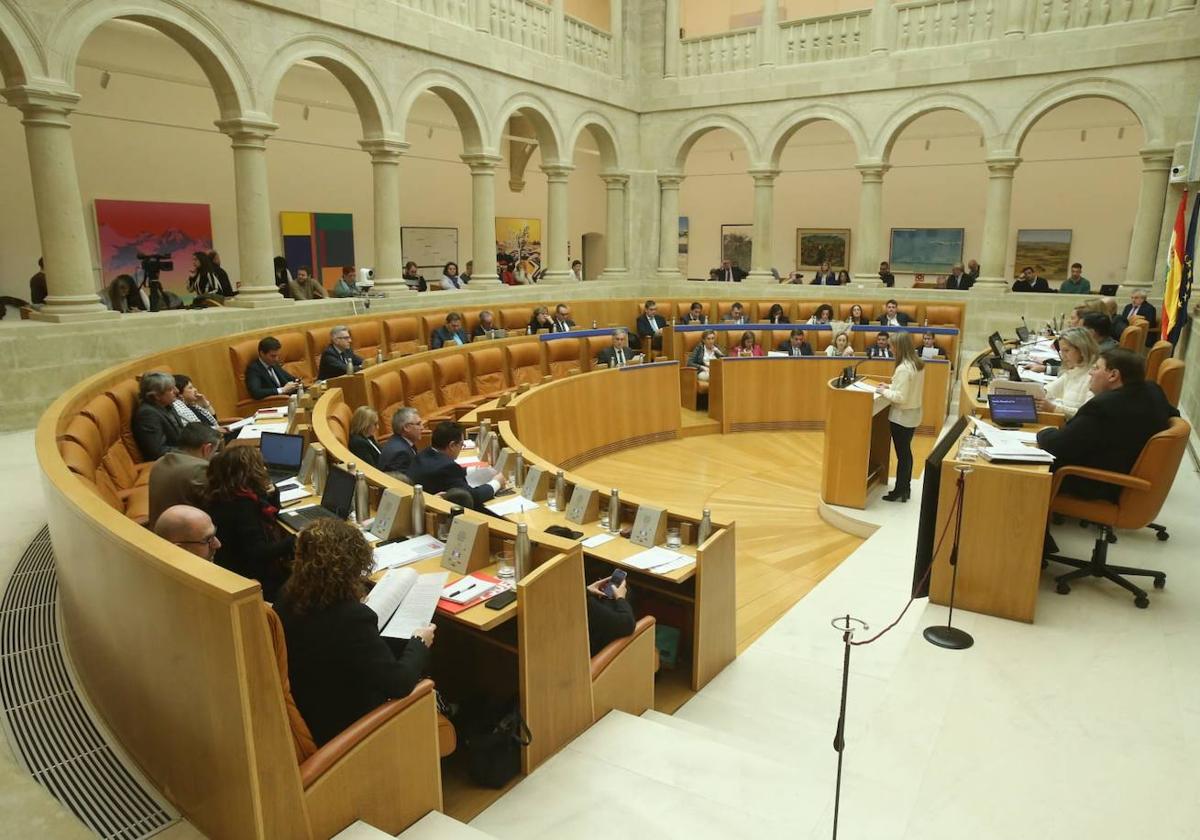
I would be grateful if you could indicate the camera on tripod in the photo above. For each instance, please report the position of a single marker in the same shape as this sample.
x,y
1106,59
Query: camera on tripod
x,y
155,264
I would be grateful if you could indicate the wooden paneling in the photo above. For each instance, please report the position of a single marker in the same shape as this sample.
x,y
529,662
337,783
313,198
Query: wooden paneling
x,y
713,620
854,447
627,683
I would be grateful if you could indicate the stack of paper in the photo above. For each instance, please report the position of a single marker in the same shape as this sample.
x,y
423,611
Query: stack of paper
x,y
407,551
515,504
1017,452
470,588
252,432
659,560
405,601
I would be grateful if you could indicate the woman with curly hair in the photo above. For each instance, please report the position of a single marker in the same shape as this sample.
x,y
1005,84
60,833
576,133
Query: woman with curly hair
x,y
244,506
339,666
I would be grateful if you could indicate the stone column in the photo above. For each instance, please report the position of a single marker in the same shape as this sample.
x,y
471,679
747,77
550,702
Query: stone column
x,y
616,28
768,33
62,230
881,28
1142,269
389,256
256,251
668,226
1014,24
671,40
1181,7
558,28
483,218
994,253
868,244
483,15
554,243
763,253
616,267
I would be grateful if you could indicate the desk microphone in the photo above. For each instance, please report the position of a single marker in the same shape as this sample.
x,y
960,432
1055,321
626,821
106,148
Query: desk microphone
x,y
852,377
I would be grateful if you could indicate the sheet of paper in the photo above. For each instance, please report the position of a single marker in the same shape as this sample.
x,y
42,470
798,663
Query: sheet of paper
x,y
418,606
480,475
862,386
467,589
652,558
598,540
389,592
678,563
407,551
294,494
511,505
251,432
776,353
237,424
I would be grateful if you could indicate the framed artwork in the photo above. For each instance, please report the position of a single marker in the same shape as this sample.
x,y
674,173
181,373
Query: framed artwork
x,y
1047,250
683,245
519,238
430,247
126,228
322,241
820,245
736,244
933,250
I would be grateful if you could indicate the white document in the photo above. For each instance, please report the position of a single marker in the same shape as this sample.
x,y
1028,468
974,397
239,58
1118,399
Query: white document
x,y
252,432
1006,386
511,505
862,386
407,551
418,606
1017,452
237,424
468,589
777,353
678,563
653,558
389,592
293,494
598,540
477,476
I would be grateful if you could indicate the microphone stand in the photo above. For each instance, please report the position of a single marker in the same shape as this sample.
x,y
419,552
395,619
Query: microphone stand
x,y
846,626
948,636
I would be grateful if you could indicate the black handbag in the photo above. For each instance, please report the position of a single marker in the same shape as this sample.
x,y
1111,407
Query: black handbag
x,y
494,750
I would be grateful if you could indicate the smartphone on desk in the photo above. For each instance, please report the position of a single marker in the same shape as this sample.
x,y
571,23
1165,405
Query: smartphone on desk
x,y
499,602
507,491
618,577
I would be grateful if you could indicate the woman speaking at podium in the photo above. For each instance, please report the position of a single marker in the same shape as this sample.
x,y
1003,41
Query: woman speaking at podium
x,y
904,393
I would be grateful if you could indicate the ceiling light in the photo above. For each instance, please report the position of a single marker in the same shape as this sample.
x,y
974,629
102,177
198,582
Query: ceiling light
x,y
105,78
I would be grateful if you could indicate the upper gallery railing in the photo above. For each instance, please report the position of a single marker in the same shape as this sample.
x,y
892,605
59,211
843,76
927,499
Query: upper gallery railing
x,y
720,53
824,38
939,23
523,22
588,46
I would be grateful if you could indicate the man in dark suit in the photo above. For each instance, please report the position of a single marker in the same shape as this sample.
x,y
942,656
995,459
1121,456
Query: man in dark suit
x,y
973,270
156,426
796,345
179,478
619,353
265,377
885,274
1110,430
728,272
650,324
561,322
338,359
437,469
737,315
1100,326
1138,306
695,315
400,449
449,334
824,277
1030,282
881,349
892,316
958,279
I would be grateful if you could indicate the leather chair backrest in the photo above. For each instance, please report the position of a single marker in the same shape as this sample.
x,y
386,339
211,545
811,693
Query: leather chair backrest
x,y
684,306
429,323
367,339
386,397
402,335
843,310
909,309
125,396
596,343
77,459
1134,337
416,381
451,379
339,422
943,316
240,357
1157,464
688,341
773,338
486,367
514,317
294,355
82,430
945,341
805,310
562,355
302,739
820,339
762,307
525,362
105,490
1157,354
723,307
1170,379
114,454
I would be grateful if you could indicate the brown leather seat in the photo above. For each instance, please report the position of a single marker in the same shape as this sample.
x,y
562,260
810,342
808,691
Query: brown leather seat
x,y
562,356
1134,337
943,316
429,323
486,368
416,381
514,318
688,341
684,306
524,362
623,672
339,422
724,306
805,310
112,428
1170,379
596,343
403,336
1155,356
124,395
386,397
367,340
452,383
1143,492
910,309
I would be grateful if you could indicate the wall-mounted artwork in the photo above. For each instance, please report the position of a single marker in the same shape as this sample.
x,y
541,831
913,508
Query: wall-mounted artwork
x,y
926,249
127,228
430,248
736,244
683,245
1048,251
521,239
815,246
322,241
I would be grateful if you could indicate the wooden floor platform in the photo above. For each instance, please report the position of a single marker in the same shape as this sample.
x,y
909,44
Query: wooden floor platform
x,y
696,423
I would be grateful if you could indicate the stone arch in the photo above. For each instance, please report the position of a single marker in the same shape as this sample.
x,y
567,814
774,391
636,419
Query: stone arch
x,y
686,137
347,66
1139,103
605,135
453,91
176,19
21,55
940,101
534,109
789,125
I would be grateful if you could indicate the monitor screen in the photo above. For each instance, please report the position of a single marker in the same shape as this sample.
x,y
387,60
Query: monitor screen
x,y
1012,408
339,492
1022,334
997,345
927,532
280,450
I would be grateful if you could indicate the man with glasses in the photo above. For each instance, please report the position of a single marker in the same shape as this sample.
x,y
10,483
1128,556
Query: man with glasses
x,y
398,453
338,359
180,477
189,528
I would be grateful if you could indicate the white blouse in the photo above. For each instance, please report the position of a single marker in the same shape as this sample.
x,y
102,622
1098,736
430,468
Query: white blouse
x,y
832,350
1070,390
904,393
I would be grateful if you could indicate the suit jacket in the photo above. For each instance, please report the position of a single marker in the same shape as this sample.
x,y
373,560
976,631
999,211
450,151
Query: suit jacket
x,y
253,544
365,449
479,330
901,318
156,430
887,278
877,352
609,619
437,472
443,335
340,667
259,382
688,319
725,274
561,326
397,455
176,479
1038,284
829,278
333,362
606,355
786,347
1108,432
1147,311
961,282
644,329
696,356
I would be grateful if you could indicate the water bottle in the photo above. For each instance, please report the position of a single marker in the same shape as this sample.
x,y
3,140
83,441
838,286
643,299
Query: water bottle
x,y
614,511
612,362
519,470
349,365
418,510
523,551
495,453
321,473
705,530
293,405
362,497
379,356
593,323
559,500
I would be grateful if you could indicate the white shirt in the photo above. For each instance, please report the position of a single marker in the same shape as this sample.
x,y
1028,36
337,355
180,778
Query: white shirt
x,y
832,350
904,393
1070,390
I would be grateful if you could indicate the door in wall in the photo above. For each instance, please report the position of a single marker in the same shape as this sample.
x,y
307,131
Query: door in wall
x,y
593,255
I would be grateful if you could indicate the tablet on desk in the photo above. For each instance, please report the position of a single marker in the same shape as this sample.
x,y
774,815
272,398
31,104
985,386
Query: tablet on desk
x,y
1012,409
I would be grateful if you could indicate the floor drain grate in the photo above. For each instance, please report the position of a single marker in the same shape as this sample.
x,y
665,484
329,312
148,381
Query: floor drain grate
x,y
48,725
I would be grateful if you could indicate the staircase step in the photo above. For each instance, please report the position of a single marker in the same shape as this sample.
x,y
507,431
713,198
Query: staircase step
x,y
700,730
437,826
360,830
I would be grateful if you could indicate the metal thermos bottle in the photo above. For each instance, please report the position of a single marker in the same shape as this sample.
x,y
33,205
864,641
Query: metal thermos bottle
x,y
559,500
418,510
522,551
614,511
362,498
705,530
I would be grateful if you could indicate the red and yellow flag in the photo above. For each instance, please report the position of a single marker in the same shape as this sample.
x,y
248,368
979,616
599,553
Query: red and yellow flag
x,y
1174,269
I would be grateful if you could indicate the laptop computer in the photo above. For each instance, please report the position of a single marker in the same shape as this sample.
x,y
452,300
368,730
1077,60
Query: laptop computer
x,y
282,454
336,502
1011,410
1109,290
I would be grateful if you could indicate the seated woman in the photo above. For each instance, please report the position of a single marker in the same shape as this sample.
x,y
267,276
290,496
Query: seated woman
x,y
843,277
122,296
413,279
1070,390
610,617
840,346
695,314
450,279
540,321
191,406
244,506
283,276
703,354
203,282
747,346
929,348
823,315
362,435
775,315
339,666
857,316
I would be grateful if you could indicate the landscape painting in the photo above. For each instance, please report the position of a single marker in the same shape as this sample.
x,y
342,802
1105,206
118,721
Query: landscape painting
x,y
815,246
736,244
127,228
1047,250
933,250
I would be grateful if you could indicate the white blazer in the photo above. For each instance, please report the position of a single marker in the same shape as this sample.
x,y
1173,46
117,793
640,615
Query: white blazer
x,y
1070,390
904,393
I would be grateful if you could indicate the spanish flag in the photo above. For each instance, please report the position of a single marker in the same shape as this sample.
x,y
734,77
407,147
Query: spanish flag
x,y
1171,291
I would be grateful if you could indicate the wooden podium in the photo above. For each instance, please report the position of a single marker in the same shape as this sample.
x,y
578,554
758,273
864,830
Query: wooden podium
x,y
857,444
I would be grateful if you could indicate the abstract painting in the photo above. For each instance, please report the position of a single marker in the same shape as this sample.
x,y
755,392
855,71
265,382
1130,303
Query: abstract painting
x,y
737,242
1048,251
521,240
127,228
815,246
322,242
926,249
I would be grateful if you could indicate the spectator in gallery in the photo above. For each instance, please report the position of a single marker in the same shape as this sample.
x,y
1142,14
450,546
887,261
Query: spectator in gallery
x,y
577,270
412,279
203,281
1030,282
465,276
305,287
450,280
843,278
37,285
840,346
973,270
857,316
881,349
526,271
823,315
1076,284
775,315
794,278
695,314
824,277
283,277
958,279
227,289
346,286
747,346
885,274
487,323
729,272
122,296
504,268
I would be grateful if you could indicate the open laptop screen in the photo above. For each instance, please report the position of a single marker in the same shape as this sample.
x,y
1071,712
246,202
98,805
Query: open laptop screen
x,y
280,451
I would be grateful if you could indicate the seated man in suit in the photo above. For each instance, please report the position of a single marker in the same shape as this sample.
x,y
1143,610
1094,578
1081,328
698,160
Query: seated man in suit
x,y
892,316
1101,328
619,354
650,324
265,377
179,477
973,270
885,274
338,359
695,314
958,279
824,277
437,469
1137,306
737,315
487,323
156,426
729,272
400,449
881,349
562,319
450,333
796,345
1029,282
189,528
1109,431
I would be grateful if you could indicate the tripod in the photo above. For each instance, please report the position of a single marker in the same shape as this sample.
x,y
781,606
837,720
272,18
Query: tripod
x,y
948,636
